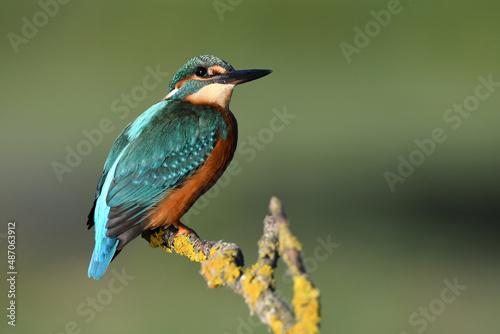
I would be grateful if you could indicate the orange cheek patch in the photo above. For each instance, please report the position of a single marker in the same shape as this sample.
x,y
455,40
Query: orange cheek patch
x,y
181,82
216,69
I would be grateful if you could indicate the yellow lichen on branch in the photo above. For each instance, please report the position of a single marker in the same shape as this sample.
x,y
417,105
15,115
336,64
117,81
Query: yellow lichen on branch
x,y
222,265
184,247
221,269
306,306
255,281
157,240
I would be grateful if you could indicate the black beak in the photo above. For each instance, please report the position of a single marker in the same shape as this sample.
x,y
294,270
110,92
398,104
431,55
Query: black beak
x,y
239,77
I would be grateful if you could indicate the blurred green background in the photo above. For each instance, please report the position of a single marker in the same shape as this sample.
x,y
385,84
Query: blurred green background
x,y
387,254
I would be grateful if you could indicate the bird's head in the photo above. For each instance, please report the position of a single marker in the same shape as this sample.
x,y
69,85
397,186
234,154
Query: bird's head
x,y
209,80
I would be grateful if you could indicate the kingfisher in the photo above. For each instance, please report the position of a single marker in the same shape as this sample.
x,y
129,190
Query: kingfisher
x,y
168,157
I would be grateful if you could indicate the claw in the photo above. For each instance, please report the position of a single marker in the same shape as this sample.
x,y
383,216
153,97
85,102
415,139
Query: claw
x,y
183,229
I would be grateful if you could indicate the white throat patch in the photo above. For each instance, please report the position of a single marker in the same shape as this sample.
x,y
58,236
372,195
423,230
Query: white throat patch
x,y
213,94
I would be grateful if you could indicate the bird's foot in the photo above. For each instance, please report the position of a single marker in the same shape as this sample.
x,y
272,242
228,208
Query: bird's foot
x,y
183,229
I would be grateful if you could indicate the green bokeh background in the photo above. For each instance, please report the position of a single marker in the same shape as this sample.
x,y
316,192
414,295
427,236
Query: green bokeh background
x,y
352,120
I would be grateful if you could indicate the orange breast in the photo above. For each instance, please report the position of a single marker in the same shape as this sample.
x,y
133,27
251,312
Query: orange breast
x,y
178,201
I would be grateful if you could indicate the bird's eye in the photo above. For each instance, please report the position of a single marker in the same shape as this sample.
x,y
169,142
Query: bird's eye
x,y
200,71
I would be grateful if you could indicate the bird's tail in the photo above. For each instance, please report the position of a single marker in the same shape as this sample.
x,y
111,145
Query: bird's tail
x,y
104,251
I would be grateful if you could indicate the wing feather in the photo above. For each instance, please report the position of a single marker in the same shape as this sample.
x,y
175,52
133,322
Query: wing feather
x,y
172,146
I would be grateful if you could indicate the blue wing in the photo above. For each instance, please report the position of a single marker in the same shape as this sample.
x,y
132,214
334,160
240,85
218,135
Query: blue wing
x,y
152,156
